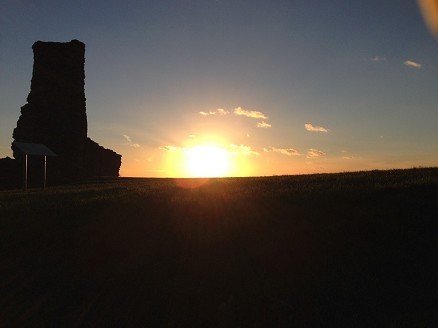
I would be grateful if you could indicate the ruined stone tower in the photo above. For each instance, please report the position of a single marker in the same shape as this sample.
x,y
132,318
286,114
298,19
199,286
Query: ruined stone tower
x,y
55,113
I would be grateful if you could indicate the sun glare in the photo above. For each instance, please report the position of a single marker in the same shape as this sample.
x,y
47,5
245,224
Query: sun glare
x,y
207,161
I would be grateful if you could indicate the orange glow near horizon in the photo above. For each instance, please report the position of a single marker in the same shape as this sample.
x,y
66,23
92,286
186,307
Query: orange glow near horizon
x,y
205,157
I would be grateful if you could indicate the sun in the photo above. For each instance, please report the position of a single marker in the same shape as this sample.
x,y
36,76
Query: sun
x,y
207,161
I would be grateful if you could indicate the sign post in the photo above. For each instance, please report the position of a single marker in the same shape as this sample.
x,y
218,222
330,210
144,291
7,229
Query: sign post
x,y
25,172
45,172
33,149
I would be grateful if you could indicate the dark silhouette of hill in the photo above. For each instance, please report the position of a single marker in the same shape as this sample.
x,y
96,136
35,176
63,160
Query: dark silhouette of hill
x,y
55,115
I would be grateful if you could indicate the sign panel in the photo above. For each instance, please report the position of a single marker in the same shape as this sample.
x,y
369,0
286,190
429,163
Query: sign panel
x,y
33,149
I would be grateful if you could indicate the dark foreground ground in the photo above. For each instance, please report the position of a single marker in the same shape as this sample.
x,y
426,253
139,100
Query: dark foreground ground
x,y
350,250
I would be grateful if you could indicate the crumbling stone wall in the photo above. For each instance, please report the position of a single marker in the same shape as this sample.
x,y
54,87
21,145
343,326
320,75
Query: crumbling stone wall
x,y
55,113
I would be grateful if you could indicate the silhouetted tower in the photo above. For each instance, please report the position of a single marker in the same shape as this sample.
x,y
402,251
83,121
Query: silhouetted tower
x,y
55,113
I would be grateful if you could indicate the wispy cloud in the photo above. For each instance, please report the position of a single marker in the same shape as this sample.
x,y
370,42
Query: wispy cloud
x,y
263,125
249,113
347,157
313,128
128,138
242,150
283,151
218,112
168,148
413,64
314,153
239,111
378,59
129,141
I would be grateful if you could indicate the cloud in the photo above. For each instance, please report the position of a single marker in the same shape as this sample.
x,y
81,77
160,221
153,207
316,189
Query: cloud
x,y
168,148
310,127
283,151
242,150
314,153
378,59
129,141
347,157
413,64
221,111
218,112
128,138
239,111
263,125
249,113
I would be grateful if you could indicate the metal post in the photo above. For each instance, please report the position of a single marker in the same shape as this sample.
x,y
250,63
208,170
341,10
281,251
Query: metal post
x,y
25,172
44,181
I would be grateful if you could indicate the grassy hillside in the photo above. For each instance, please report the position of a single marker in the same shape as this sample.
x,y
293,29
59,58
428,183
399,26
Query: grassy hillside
x,y
348,249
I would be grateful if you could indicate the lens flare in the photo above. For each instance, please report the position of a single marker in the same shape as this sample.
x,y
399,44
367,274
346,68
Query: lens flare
x,y
429,10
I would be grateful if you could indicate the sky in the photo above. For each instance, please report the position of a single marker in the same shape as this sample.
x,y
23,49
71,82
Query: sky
x,y
239,87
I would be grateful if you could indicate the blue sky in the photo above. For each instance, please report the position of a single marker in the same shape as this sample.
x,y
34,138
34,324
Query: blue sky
x,y
286,87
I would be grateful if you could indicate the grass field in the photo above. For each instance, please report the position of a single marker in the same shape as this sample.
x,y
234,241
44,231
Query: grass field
x,y
348,249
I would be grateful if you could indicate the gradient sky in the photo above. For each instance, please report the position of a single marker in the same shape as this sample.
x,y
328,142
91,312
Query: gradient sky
x,y
286,87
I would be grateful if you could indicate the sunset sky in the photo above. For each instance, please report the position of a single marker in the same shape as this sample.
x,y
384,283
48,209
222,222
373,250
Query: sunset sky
x,y
255,87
